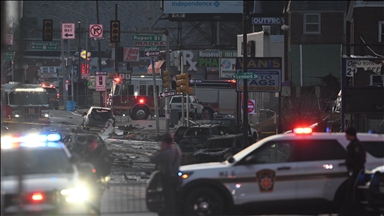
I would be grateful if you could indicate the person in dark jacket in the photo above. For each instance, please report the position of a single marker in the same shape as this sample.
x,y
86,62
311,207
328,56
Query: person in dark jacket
x,y
168,161
98,155
355,162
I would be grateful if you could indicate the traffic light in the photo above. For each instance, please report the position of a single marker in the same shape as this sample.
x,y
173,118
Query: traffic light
x,y
115,31
166,79
47,30
100,80
182,83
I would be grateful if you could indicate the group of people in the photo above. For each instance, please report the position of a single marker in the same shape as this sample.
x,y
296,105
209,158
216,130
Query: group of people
x,y
168,160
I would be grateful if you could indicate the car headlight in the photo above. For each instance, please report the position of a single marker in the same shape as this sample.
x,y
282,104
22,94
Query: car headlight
x,y
15,114
76,194
45,113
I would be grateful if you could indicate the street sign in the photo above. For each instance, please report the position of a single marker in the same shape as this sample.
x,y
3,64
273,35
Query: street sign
x,y
195,81
9,39
151,48
251,106
101,73
244,76
8,55
68,30
148,38
152,53
167,94
96,30
44,45
101,83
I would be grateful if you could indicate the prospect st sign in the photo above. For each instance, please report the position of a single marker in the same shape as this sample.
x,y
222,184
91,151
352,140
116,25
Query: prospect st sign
x,y
44,45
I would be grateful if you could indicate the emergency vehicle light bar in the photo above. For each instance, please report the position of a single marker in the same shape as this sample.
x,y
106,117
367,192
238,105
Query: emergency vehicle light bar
x,y
302,130
32,140
29,89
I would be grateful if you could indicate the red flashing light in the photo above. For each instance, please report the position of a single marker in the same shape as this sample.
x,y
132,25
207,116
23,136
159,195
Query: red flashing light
x,y
37,197
58,95
117,79
94,170
43,85
67,81
233,81
302,130
141,101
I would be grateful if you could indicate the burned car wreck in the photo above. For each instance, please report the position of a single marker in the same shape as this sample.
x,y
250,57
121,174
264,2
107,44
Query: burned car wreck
x,y
220,148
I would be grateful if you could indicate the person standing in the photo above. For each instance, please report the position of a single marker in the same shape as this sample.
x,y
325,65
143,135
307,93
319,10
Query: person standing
x,y
168,161
355,162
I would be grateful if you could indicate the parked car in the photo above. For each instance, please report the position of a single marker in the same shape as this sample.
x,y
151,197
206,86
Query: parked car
x,y
220,148
231,123
195,137
96,117
195,108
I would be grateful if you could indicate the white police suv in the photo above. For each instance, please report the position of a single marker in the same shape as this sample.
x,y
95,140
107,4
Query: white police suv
x,y
297,173
50,181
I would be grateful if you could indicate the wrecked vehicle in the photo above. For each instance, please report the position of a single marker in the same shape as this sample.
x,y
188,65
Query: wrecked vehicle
x,y
217,149
232,124
195,137
96,117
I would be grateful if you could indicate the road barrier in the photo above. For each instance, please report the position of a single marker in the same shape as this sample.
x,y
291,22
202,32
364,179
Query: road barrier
x,y
126,197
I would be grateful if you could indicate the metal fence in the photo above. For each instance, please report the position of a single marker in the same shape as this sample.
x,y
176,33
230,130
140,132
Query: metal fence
x,y
124,198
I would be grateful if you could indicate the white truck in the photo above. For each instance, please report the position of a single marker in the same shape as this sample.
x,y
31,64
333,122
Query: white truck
x,y
216,100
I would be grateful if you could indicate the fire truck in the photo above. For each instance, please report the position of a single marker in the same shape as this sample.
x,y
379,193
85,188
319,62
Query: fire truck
x,y
24,105
135,98
217,97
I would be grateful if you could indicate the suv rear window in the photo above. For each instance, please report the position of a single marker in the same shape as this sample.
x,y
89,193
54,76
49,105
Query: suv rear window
x,y
51,90
178,99
376,149
197,132
101,114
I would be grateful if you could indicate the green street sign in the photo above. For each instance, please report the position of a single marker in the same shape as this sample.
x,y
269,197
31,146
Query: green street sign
x,y
147,38
245,76
44,45
8,56
151,48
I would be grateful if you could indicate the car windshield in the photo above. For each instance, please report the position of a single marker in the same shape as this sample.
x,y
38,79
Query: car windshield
x,y
28,98
36,161
101,114
197,132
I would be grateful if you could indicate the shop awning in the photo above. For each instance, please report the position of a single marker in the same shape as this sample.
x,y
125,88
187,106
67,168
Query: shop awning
x,y
158,66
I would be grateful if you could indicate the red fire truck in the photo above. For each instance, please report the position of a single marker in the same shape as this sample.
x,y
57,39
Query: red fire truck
x,y
135,98
24,105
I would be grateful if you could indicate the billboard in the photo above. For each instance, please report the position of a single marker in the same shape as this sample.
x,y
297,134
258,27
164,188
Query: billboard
x,y
196,7
227,67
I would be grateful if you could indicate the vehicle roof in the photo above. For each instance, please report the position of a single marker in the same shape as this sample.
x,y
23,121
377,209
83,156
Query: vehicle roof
x,y
96,107
204,126
227,136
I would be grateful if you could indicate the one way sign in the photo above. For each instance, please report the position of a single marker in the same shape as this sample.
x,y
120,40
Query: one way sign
x,y
68,31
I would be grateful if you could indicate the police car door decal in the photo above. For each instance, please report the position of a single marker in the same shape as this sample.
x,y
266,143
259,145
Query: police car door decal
x,y
265,179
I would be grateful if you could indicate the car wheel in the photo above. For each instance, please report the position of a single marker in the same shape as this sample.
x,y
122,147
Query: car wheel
x,y
204,201
140,113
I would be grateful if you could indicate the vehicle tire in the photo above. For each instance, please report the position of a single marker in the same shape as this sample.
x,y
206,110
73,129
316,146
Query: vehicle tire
x,y
207,114
140,113
204,201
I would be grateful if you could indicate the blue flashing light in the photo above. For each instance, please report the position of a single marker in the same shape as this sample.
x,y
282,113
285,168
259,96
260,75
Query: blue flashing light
x,y
327,130
40,138
179,173
53,137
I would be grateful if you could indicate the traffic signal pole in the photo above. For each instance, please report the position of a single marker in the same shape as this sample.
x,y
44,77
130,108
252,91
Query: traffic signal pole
x,y
182,98
155,95
167,63
245,81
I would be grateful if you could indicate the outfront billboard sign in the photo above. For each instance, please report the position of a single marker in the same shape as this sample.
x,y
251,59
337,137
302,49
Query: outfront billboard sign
x,y
196,7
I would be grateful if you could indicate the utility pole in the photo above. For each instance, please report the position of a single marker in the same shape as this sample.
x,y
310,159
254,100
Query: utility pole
x,y
79,67
167,63
116,63
98,41
245,81
182,98
155,95
65,93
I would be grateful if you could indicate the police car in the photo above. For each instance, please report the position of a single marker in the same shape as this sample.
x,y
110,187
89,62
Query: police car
x,y
297,173
51,182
